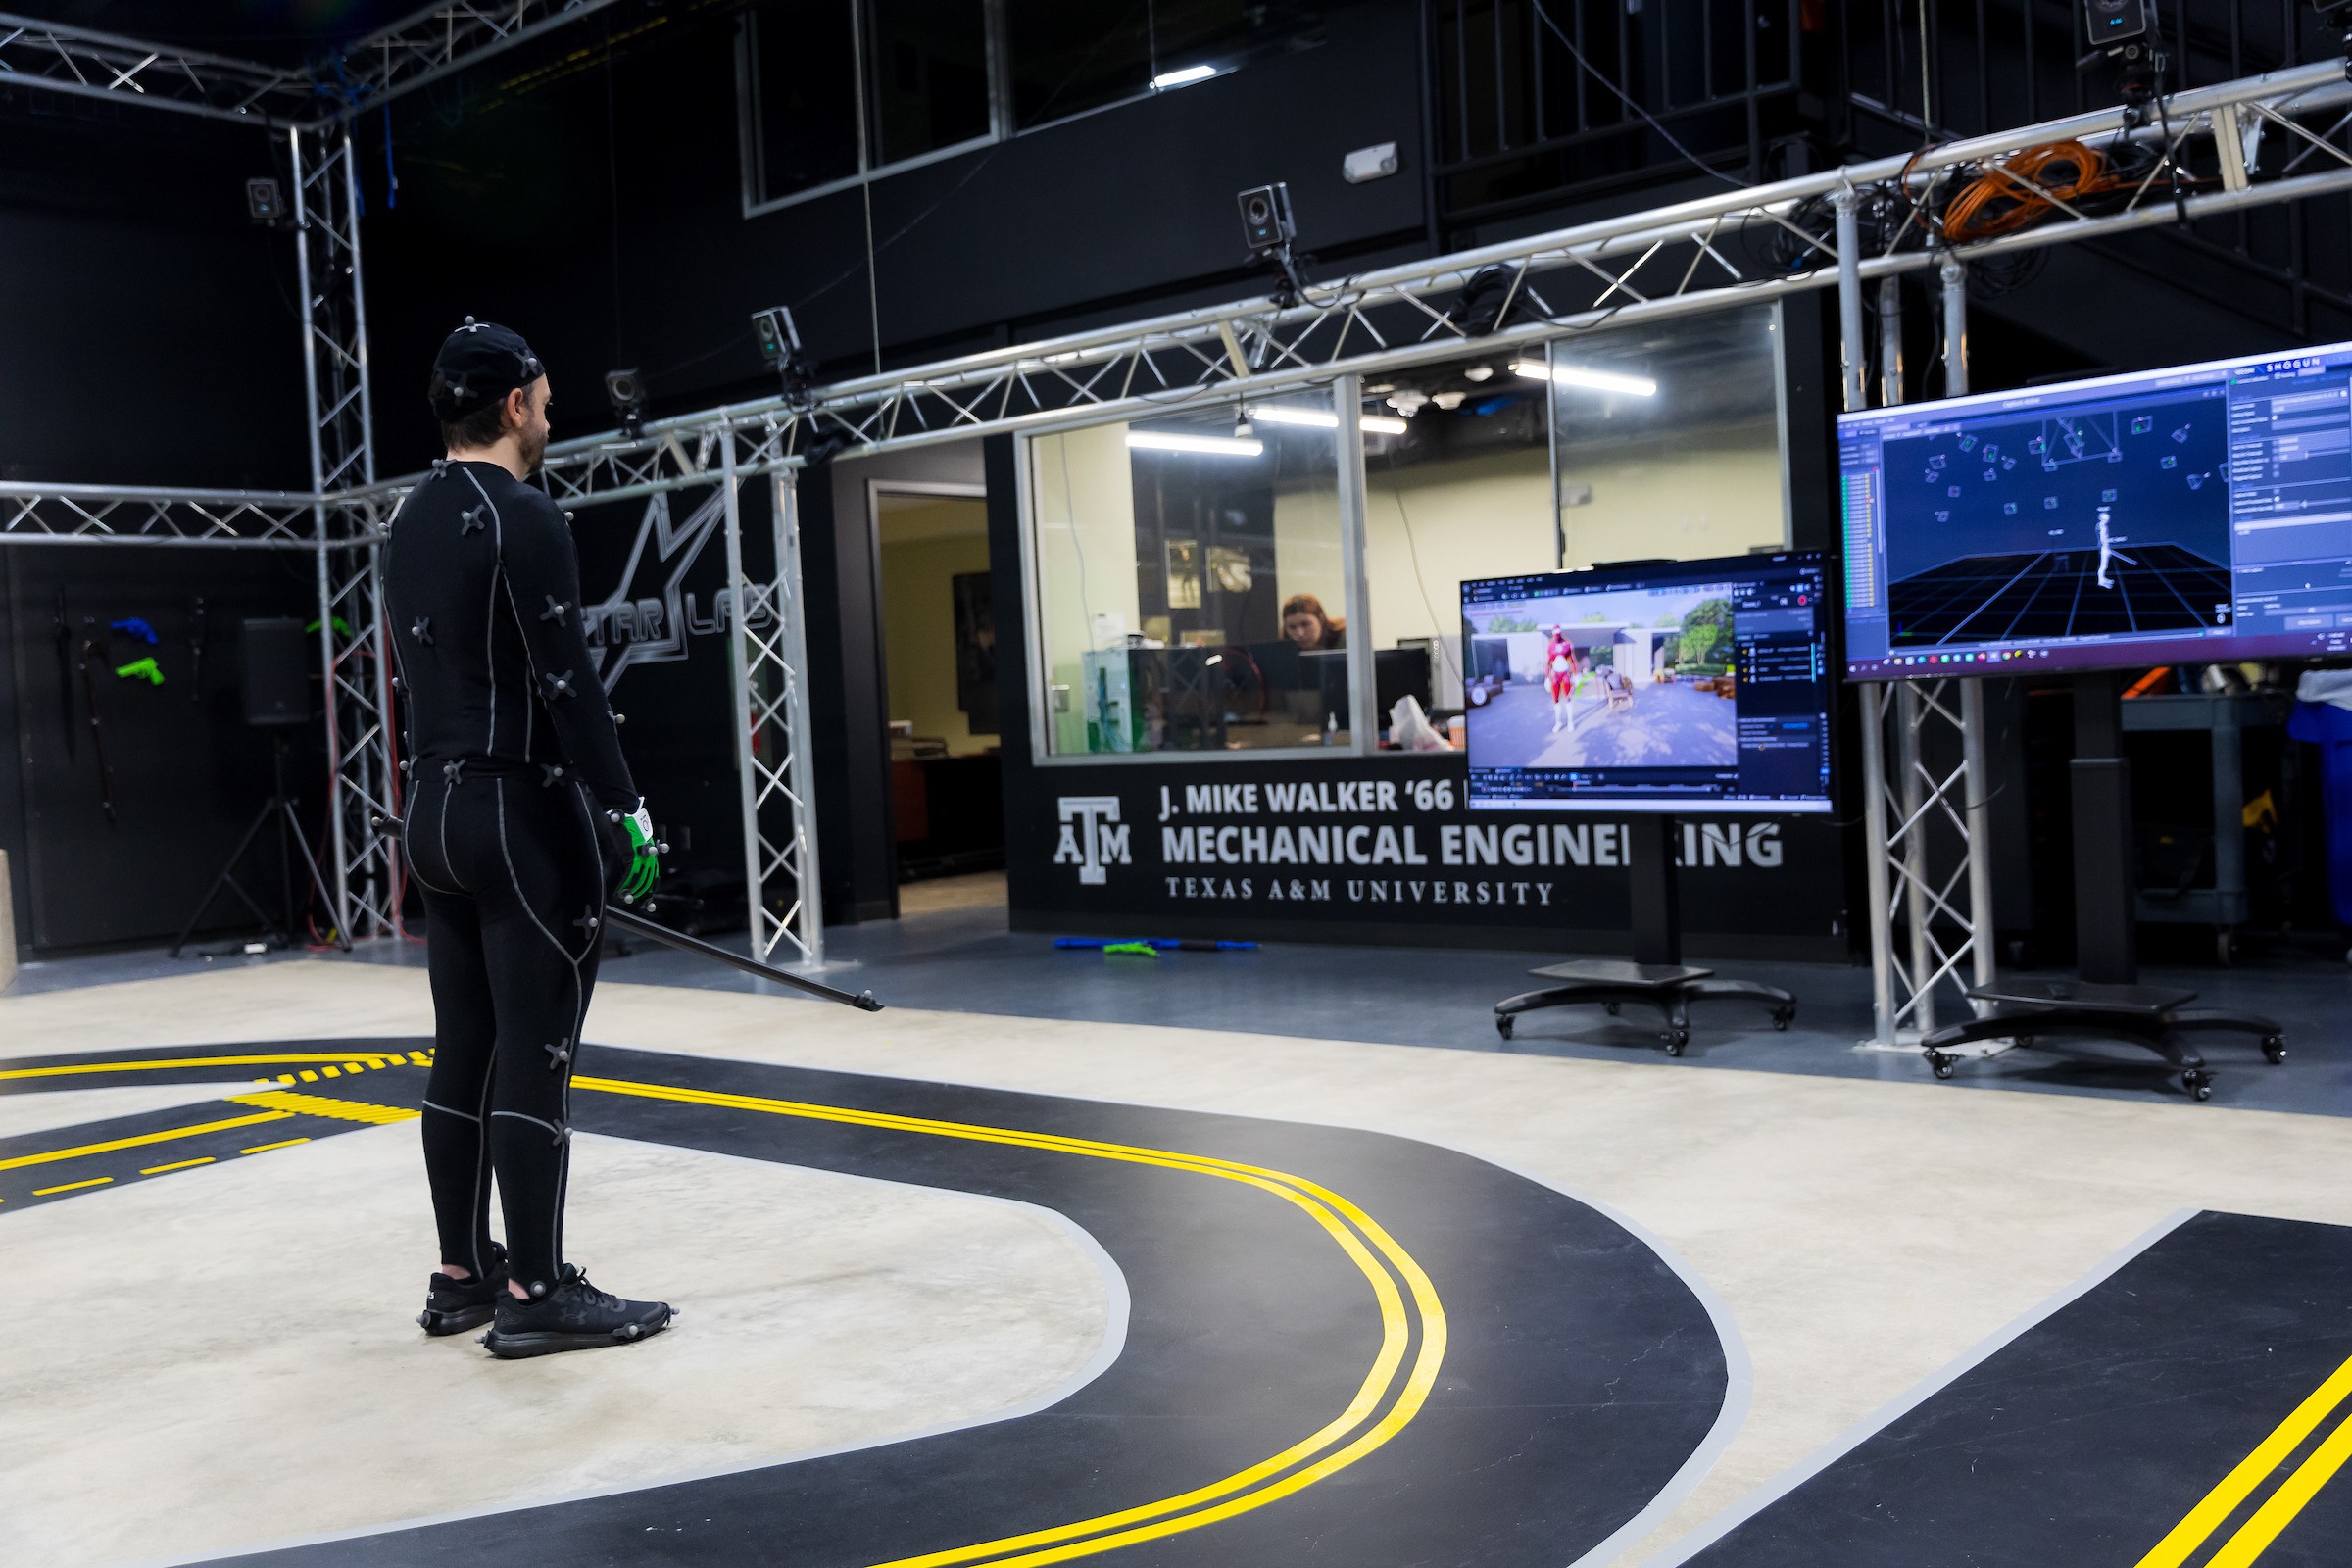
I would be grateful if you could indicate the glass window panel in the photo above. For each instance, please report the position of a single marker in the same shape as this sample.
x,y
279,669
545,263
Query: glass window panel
x,y
1690,471
928,70
1164,574
807,80
1067,56
1463,490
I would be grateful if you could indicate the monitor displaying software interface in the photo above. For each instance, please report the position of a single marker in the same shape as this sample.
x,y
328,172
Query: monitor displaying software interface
x,y
2192,515
1695,685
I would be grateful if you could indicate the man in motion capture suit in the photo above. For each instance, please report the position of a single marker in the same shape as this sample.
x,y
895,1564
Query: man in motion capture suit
x,y
521,817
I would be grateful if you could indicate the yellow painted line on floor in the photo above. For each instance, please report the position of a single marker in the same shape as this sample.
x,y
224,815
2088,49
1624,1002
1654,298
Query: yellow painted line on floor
x,y
329,1072
2255,1536
185,1164
71,1187
263,1149
323,1105
239,1059
2238,1485
308,1077
1262,1483
143,1138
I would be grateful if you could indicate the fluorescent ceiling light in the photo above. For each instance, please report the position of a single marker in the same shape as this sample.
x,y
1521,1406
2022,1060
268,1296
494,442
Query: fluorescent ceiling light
x,y
1640,386
1323,418
1185,78
1221,445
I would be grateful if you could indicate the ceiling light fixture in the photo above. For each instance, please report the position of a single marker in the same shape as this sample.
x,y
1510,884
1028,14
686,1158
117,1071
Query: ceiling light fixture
x,y
1181,79
1323,418
1640,386
1217,446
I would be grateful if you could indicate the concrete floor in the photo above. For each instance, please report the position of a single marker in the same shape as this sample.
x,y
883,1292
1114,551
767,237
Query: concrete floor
x,y
1863,1224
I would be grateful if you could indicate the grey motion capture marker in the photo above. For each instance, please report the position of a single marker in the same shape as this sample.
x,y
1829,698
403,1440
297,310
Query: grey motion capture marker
x,y
557,1055
468,521
559,685
556,609
422,631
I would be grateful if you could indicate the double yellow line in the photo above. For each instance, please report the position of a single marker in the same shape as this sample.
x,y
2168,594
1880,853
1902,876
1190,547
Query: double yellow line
x,y
1385,1265
2253,1537
1389,1396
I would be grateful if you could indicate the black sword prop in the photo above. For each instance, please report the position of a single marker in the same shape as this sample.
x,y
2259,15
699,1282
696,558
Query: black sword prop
x,y
629,920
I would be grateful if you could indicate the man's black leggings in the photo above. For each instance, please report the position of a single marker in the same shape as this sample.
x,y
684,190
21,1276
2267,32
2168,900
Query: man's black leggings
x,y
508,861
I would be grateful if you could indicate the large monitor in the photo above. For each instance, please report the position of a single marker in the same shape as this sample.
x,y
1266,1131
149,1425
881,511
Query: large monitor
x,y
1691,685
2183,516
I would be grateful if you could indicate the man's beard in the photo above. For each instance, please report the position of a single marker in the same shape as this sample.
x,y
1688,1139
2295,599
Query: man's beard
x,y
533,446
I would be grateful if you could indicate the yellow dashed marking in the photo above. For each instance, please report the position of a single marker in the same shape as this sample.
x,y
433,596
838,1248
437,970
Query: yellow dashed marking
x,y
331,1072
95,1181
265,1148
158,1170
309,1077
321,1105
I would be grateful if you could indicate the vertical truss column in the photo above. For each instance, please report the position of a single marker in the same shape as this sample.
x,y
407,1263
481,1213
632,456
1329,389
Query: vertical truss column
x,y
342,454
1926,823
767,649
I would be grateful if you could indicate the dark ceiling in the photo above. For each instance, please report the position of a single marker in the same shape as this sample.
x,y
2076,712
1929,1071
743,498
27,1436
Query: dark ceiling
x,y
275,32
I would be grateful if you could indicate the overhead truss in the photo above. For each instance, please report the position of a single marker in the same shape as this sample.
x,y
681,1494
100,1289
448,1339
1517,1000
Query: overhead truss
x,y
422,48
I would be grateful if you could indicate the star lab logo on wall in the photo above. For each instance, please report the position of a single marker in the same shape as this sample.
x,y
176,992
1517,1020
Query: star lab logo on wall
x,y
653,631
1092,837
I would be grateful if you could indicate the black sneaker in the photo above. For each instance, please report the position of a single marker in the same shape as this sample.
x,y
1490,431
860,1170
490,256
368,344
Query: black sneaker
x,y
573,1316
452,1307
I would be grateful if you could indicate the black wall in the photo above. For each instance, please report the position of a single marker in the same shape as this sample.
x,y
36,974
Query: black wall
x,y
149,336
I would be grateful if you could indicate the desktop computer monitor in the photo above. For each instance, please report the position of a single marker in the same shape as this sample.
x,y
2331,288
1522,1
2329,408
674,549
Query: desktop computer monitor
x,y
2192,514
1691,685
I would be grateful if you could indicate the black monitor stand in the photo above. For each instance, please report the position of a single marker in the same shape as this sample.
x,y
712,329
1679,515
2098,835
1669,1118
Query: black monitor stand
x,y
2108,1002
1656,977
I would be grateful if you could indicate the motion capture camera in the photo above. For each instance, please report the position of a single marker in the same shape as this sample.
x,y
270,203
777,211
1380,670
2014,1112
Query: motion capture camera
x,y
781,346
626,389
266,203
1267,226
2125,31
1266,219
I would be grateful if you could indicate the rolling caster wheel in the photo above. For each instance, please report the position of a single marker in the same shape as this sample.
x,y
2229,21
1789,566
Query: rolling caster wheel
x,y
2274,1048
1609,1007
1676,1040
1942,1065
1781,1017
2199,1085
1502,1026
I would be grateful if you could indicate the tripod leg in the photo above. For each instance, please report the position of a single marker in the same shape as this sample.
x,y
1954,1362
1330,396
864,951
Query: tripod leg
x,y
229,867
318,878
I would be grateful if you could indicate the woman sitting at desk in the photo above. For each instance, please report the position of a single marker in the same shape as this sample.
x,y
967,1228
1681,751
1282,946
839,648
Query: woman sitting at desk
x,y
1305,624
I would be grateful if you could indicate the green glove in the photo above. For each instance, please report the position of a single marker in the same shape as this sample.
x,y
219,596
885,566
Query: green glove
x,y
645,865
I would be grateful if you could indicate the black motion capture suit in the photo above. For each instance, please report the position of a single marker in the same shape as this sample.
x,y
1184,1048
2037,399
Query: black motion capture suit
x,y
513,765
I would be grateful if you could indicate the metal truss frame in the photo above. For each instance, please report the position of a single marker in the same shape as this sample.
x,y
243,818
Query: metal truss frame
x,y
1740,247
421,48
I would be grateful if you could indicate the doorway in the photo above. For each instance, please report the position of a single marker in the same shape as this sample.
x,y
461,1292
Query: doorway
x,y
939,650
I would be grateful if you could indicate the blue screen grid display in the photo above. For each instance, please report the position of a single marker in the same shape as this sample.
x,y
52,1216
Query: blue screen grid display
x,y
1698,686
2192,515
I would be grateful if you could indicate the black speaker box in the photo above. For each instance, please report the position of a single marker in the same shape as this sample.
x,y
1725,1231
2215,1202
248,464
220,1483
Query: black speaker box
x,y
274,673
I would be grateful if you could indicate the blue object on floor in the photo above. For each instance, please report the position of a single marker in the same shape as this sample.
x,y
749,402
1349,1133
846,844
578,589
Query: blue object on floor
x,y
2330,728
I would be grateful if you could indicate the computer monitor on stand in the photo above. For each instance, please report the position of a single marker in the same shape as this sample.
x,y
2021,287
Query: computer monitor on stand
x,y
2192,514
1647,690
